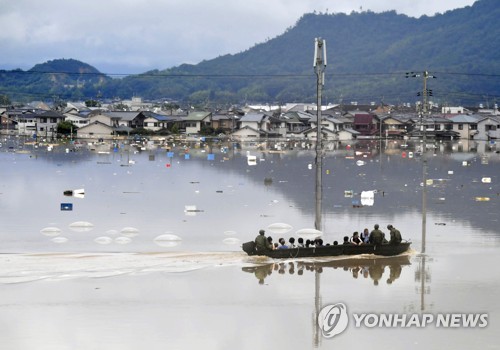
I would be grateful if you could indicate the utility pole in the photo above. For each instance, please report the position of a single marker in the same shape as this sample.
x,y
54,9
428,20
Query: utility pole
x,y
423,111
319,68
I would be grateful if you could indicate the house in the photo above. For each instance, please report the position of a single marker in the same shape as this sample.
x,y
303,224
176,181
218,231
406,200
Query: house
x,y
394,126
131,119
95,130
195,121
226,122
248,132
488,128
256,121
155,122
465,125
42,124
366,124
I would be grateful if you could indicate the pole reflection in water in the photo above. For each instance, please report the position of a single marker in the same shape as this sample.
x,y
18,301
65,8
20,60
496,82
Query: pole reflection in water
x,y
423,276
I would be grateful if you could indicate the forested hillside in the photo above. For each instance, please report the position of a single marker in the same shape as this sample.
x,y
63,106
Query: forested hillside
x,y
368,56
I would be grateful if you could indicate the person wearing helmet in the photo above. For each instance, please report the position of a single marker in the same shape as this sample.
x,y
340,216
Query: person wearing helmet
x,y
261,242
376,236
395,235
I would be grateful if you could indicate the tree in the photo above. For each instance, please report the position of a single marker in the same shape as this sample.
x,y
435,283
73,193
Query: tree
x,y
4,100
92,103
66,128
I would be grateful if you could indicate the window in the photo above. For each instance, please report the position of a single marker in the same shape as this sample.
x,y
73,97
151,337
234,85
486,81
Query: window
x,y
460,126
438,126
473,127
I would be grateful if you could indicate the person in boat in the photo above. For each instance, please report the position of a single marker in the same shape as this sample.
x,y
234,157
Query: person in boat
x,y
377,236
282,244
346,241
318,242
355,239
335,243
291,243
300,242
395,235
270,240
365,236
262,243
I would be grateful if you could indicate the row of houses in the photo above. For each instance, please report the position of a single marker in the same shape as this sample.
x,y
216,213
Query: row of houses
x,y
298,121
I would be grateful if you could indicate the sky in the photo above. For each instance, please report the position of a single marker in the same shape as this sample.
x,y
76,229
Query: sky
x,y
134,36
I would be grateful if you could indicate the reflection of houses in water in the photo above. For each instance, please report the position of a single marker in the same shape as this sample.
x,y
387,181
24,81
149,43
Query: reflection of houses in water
x,y
378,269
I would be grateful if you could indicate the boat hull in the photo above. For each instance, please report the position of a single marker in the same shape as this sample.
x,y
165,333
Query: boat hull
x,y
331,250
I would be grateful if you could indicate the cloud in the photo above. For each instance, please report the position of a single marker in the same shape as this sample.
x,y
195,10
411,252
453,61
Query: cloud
x,y
139,35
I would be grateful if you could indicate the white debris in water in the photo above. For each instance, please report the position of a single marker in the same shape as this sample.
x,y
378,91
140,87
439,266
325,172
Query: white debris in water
x,y
129,231
51,231
167,240
81,226
279,228
309,233
123,240
231,241
103,240
59,240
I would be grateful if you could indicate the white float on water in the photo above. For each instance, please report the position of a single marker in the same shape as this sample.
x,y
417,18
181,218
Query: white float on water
x,y
51,231
279,227
81,226
309,233
129,231
103,240
231,240
59,240
123,240
167,240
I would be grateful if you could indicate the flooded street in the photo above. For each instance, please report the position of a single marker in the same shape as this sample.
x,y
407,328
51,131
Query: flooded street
x,y
150,256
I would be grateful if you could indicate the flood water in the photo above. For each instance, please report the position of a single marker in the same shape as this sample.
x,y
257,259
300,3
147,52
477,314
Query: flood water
x,y
150,256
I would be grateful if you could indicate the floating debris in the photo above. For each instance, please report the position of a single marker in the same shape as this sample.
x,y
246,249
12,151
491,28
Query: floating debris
x,y
191,210
231,241
59,240
129,231
486,180
51,231
79,193
167,240
251,160
81,226
123,240
66,206
482,199
279,228
348,194
440,223
103,240
309,233
360,163
367,198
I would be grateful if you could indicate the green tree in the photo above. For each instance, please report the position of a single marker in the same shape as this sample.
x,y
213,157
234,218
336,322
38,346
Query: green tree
x,y
66,128
4,100
92,103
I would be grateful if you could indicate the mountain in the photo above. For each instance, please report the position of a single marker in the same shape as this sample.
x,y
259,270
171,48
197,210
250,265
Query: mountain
x,y
60,78
368,56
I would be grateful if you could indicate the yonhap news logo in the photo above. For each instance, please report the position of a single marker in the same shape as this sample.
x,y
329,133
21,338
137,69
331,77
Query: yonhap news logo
x,y
334,319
